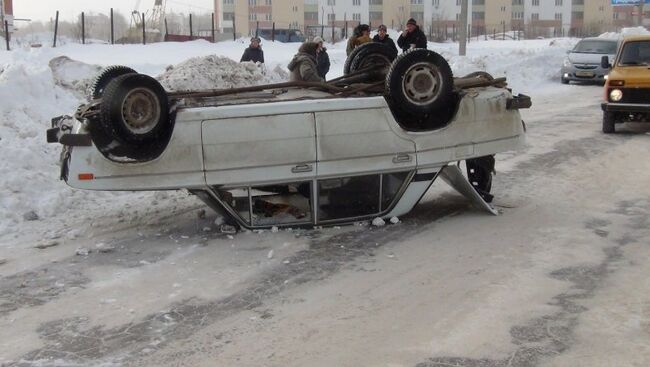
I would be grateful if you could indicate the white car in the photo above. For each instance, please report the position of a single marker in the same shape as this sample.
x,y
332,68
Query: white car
x,y
294,154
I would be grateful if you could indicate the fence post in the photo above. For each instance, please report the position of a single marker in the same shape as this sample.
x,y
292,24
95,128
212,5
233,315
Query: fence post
x,y
191,30
112,28
213,28
56,28
273,33
346,29
257,28
166,30
504,31
332,32
322,30
469,32
234,30
7,34
83,29
144,34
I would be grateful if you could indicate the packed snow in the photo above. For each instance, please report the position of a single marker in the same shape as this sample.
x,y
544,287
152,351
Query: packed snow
x,y
37,84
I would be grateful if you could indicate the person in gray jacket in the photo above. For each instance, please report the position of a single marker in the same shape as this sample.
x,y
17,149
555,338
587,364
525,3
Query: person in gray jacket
x,y
303,66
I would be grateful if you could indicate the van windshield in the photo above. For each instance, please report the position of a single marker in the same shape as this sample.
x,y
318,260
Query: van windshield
x,y
596,47
635,53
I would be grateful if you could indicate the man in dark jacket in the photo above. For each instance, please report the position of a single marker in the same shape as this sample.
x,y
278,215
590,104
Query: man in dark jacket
x,y
383,37
254,52
412,37
322,58
303,65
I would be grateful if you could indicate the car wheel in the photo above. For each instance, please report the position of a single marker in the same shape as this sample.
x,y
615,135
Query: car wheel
x,y
105,77
372,54
135,109
608,123
564,80
420,81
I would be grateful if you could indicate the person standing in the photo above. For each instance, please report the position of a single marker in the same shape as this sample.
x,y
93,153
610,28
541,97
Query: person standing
x,y
383,37
322,58
254,52
303,66
360,35
412,37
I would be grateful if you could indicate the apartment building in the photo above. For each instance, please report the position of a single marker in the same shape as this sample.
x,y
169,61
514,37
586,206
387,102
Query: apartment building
x,y
436,17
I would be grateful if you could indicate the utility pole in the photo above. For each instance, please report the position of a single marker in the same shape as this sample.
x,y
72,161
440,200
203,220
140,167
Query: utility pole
x,y
462,28
641,3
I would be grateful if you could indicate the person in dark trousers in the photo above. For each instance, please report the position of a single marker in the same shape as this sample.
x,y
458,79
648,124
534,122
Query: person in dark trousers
x,y
412,37
303,65
322,58
254,52
383,37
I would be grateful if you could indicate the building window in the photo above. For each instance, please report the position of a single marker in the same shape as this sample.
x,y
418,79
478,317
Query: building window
x,y
503,9
252,16
458,2
295,9
331,2
356,16
478,15
578,2
417,15
558,16
252,2
416,2
268,2
517,2
535,2
435,3
356,2
331,17
534,16
376,15
376,2
558,2
228,16
267,17
311,15
478,2
578,15
228,2
615,15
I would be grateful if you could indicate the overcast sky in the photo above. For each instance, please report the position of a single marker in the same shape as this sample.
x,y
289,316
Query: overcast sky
x,y
69,9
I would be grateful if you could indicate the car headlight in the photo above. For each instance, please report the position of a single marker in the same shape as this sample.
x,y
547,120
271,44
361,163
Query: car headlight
x,y
616,95
567,63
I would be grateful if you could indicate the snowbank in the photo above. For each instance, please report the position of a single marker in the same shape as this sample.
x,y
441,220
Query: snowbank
x,y
633,31
215,72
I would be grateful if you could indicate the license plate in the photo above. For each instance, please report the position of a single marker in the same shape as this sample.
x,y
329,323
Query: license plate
x,y
585,74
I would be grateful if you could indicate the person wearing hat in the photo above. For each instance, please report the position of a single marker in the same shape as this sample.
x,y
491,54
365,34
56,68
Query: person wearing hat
x,y
322,58
303,66
383,37
254,52
360,35
412,37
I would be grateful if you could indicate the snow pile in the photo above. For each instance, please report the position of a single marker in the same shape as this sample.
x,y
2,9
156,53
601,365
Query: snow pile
x,y
215,72
632,31
73,75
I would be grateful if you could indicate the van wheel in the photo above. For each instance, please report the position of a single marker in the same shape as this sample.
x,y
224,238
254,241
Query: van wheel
x,y
371,54
135,109
105,77
420,81
608,123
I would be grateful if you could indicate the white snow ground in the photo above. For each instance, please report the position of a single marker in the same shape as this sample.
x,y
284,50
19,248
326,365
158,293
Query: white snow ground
x,y
37,84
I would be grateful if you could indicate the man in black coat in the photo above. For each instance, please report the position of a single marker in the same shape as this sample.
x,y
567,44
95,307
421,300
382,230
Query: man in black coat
x,y
254,52
322,58
412,37
383,37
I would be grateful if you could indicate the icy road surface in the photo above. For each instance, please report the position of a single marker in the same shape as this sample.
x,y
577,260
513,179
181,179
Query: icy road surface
x,y
560,278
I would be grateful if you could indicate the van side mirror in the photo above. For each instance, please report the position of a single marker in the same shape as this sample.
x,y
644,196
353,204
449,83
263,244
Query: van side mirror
x,y
604,62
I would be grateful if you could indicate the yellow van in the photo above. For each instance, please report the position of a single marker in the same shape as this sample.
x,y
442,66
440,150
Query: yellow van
x,y
627,90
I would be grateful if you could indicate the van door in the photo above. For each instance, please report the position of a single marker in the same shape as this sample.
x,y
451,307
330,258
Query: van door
x,y
356,141
259,149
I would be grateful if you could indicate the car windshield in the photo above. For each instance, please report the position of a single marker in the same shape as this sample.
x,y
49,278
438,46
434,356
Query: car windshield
x,y
595,47
635,53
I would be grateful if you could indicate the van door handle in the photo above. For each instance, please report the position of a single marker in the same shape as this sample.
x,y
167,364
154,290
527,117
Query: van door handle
x,y
302,168
402,158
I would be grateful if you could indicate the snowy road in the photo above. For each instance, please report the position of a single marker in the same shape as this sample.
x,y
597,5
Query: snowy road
x,y
560,278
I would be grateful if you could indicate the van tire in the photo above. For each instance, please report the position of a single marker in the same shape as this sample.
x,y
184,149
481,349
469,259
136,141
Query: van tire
x,y
105,76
